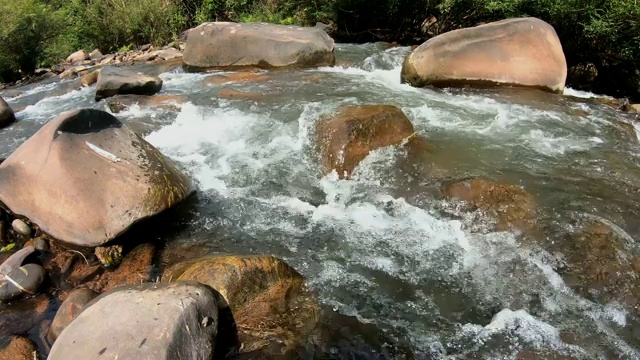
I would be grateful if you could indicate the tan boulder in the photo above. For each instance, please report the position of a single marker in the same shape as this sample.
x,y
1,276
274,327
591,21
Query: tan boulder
x,y
84,178
269,301
513,207
78,57
91,78
521,51
6,114
346,138
227,44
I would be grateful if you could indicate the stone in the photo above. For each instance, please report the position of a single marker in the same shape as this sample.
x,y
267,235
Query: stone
x,y
96,55
18,348
40,244
15,260
84,178
513,207
78,57
7,116
240,95
109,256
145,57
24,280
120,103
69,310
237,77
634,108
116,81
269,301
152,321
168,53
348,137
520,51
136,268
20,317
21,227
90,79
227,44
107,60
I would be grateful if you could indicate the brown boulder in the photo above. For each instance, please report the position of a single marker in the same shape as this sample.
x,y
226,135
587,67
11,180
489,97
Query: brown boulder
x,y
226,44
346,138
91,78
232,94
78,57
18,348
269,300
513,207
69,310
120,103
84,178
6,114
522,51
237,77
117,81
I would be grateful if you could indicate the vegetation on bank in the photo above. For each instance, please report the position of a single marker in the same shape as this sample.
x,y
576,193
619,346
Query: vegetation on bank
x,y
39,33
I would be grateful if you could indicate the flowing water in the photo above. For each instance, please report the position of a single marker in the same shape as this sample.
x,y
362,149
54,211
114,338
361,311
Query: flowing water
x,y
401,272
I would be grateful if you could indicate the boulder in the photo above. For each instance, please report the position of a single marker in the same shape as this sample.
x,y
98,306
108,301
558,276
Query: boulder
x,y
78,57
521,51
24,280
107,60
346,138
6,114
120,103
136,268
168,53
269,301
17,348
20,317
95,55
114,81
513,207
237,78
69,310
152,321
91,78
227,44
85,178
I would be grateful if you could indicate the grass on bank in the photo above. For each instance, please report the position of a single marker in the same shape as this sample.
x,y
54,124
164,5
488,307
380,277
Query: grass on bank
x,y
39,33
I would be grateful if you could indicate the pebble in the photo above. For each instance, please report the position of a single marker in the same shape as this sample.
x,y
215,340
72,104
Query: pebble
x,y
40,244
24,280
21,227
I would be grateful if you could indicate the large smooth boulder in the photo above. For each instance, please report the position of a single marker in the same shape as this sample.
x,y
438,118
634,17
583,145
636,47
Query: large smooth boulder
x,y
269,301
154,321
118,81
349,136
78,56
85,178
227,44
69,310
6,114
521,51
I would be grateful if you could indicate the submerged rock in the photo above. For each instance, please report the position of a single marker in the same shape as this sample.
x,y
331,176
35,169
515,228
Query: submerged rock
x,y
114,81
268,299
233,94
522,51
19,317
154,321
513,207
84,178
6,114
226,44
348,137
24,280
69,310
237,77
18,348
120,103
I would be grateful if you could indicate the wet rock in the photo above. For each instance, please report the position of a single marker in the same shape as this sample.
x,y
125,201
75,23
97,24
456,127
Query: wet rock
x,y
109,256
78,57
114,81
40,244
268,299
634,108
19,317
7,116
91,78
69,310
513,207
18,348
226,44
24,280
96,55
346,138
522,51
15,260
136,268
601,265
120,103
62,177
238,77
21,227
153,321
240,95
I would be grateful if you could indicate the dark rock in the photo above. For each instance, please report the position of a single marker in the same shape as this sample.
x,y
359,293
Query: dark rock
x,y
40,244
120,103
69,310
114,81
21,227
6,114
154,321
19,317
136,268
145,47
269,300
24,280
83,160
346,138
225,44
17,348
15,260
